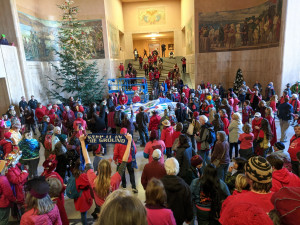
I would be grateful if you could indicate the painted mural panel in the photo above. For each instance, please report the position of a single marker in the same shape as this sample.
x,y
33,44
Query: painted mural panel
x,y
251,28
114,41
152,16
40,37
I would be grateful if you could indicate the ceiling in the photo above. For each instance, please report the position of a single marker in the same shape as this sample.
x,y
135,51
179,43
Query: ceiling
x,y
147,36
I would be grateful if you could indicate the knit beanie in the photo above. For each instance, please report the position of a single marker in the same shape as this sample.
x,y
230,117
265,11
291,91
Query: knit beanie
x,y
37,187
279,145
246,213
196,160
259,170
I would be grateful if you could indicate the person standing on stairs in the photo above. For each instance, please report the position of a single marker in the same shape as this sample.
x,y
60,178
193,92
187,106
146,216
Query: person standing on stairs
x,y
163,50
183,60
146,68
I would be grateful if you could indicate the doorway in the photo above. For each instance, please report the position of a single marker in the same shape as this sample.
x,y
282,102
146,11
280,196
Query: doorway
x,y
4,100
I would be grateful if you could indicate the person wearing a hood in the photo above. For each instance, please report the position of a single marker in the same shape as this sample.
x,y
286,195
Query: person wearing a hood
x,y
179,198
269,91
184,153
166,136
235,129
30,153
119,152
281,177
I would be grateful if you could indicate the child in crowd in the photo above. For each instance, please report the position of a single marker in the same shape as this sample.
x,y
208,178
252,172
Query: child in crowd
x,y
246,142
273,103
225,120
247,112
241,184
238,166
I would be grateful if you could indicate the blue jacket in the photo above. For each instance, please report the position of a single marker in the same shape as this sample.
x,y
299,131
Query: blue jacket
x,y
285,111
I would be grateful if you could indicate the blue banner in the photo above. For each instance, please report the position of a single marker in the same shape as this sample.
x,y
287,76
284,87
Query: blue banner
x,y
106,138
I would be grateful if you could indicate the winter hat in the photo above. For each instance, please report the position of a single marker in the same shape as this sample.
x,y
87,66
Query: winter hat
x,y
37,187
196,160
98,150
245,213
287,203
153,134
50,163
156,154
257,114
279,145
195,114
259,170
166,123
7,135
123,131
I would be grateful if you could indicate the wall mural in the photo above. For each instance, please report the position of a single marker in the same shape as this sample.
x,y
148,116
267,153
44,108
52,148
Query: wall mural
x,y
189,37
252,28
114,41
40,37
152,16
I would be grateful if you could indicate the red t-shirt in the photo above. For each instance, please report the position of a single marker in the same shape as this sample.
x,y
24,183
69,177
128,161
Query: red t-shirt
x,y
246,140
151,146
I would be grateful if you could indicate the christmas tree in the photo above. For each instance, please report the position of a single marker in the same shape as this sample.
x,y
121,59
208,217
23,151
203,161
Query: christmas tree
x,y
75,76
239,79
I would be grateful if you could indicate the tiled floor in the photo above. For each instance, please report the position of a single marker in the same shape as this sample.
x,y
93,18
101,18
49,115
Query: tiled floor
x,y
74,216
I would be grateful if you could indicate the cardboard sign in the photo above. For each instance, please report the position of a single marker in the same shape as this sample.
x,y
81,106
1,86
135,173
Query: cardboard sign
x,y
106,138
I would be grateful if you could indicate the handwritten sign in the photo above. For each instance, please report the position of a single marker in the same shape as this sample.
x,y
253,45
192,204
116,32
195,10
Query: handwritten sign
x,y
106,138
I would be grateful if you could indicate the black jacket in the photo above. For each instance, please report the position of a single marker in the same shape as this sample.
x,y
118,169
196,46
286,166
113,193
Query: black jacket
x,y
33,103
142,119
100,123
183,155
179,198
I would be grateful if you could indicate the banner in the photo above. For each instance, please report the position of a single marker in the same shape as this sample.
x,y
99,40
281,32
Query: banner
x,y
106,138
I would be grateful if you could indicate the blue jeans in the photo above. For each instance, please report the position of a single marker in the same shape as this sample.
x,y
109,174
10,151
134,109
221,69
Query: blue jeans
x,y
222,171
204,155
83,218
144,135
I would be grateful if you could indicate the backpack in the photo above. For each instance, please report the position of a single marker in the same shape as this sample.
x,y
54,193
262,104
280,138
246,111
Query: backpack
x,y
71,190
48,142
211,139
117,118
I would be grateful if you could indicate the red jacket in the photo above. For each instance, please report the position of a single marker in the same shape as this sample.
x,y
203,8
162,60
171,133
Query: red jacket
x,y
293,103
176,135
68,116
40,112
7,195
123,99
79,121
17,178
166,136
254,124
85,201
121,67
145,66
294,147
184,100
273,106
119,151
110,120
226,124
7,146
136,99
32,218
281,100
284,178
154,122
186,91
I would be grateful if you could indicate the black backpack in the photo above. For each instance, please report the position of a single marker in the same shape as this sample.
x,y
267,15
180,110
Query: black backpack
x,y
117,118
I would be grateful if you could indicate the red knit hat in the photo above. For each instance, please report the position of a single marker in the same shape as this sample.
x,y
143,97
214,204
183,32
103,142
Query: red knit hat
x,y
123,131
195,114
7,135
196,160
243,213
50,163
287,203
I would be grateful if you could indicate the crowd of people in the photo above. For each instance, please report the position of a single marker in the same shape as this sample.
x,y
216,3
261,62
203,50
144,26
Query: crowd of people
x,y
209,130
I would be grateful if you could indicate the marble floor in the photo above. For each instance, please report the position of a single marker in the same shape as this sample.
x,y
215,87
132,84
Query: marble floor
x,y
74,215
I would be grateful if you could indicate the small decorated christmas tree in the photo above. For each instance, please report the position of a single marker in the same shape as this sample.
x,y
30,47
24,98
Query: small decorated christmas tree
x,y
75,76
239,79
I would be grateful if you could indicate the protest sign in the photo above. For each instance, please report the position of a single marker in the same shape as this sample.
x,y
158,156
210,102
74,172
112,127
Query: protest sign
x,y
106,138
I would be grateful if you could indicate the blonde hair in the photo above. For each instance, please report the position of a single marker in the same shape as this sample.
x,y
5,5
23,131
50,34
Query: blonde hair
x,y
40,206
55,187
274,98
236,116
270,111
102,182
241,183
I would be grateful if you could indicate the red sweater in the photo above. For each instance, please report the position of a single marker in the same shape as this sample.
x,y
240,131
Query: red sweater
x,y
226,124
154,122
123,99
40,112
294,147
153,169
85,201
166,136
284,178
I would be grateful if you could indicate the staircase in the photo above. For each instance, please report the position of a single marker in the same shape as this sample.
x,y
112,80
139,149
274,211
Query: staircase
x,y
168,64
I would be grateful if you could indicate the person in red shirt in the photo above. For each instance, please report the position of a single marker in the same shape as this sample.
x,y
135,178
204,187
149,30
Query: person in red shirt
x,y
155,59
79,125
154,122
246,142
294,148
295,103
119,152
121,68
146,68
225,120
166,136
259,176
270,118
256,124
285,95
154,143
141,62
273,102
281,177
40,112
136,98
186,90
183,60
123,98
